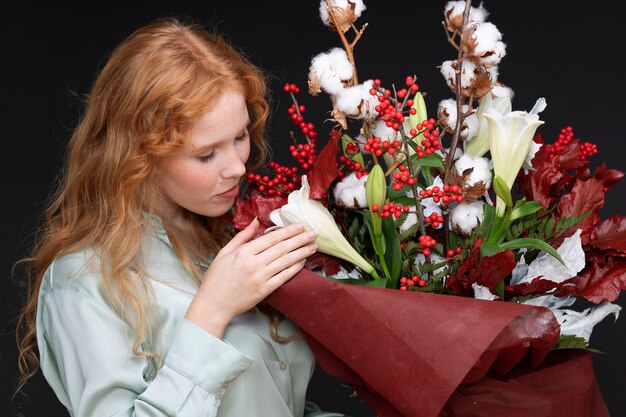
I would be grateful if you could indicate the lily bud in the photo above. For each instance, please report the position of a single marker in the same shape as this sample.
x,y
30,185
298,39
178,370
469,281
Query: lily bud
x,y
375,194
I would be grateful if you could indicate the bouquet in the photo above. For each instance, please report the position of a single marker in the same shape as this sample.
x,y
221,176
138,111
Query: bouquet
x,y
467,217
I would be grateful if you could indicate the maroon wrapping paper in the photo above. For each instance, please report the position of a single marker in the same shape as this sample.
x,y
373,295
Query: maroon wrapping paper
x,y
423,354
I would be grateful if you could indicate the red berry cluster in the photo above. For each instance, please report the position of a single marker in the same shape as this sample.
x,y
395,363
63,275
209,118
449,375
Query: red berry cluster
x,y
378,147
401,178
446,194
390,209
452,252
296,111
566,135
352,148
285,180
435,220
350,165
406,283
586,150
390,109
304,154
426,242
431,142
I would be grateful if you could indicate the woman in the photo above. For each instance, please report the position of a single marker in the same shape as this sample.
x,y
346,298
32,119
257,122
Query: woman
x,y
141,303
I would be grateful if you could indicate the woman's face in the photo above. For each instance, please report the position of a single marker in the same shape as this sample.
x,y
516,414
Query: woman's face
x,y
204,178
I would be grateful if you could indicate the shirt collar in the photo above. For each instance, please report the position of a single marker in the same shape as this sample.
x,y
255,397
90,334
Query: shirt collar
x,y
158,231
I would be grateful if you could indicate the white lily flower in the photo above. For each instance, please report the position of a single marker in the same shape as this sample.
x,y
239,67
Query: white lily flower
x,y
510,138
350,191
479,144
301,209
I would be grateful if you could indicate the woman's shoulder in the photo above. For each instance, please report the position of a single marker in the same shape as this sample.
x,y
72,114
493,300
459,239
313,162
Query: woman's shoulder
x,y
78,271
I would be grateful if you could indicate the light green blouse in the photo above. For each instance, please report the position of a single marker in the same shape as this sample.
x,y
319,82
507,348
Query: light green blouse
x,y
86,349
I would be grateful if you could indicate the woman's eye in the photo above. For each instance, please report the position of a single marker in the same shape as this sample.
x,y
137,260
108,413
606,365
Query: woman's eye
x,y
206,158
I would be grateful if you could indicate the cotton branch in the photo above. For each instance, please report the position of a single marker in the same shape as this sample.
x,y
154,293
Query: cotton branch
x,y
459,97
348,46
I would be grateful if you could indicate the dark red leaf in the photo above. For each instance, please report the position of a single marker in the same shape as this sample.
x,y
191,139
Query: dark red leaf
x,y
329,264
487,271
536,185
610,234
325,169
536,286
601,280
585,196
257,205
608,176
569,158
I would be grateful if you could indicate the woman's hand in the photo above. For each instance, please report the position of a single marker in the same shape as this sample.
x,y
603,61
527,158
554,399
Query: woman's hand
x,y
246,271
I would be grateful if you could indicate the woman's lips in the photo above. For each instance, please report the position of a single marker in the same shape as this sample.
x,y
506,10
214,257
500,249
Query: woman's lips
x,y
230,193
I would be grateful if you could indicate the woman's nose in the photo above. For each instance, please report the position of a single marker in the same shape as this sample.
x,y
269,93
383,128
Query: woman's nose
x,y
234,164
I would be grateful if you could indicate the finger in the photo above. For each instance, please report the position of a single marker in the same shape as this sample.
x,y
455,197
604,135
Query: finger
x,y
264,242
284,276
286,246
242,237
289,259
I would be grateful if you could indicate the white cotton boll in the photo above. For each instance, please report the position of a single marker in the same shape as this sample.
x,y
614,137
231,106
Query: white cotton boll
x,y
467,73
489,49
464,217
454,10
446,111
350,191
483,293
359,6
457,153
471,122
447,70
357,102
382,131
481,169
501,91
528,163
331,69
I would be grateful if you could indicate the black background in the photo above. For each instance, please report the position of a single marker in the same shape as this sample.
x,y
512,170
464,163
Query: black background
x,y
568,54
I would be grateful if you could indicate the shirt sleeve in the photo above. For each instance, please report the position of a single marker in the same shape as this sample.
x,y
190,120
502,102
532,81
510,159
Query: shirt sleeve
x,y
86,356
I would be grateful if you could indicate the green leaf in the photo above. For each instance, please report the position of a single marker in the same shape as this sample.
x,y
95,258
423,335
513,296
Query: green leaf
x,y
500,289
393,254
378,283
433,160
525,209
571,342
534,244
489,249
502,190
358,157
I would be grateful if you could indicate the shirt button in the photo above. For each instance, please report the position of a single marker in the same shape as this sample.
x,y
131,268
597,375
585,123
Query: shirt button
x,y
225,385
283,366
